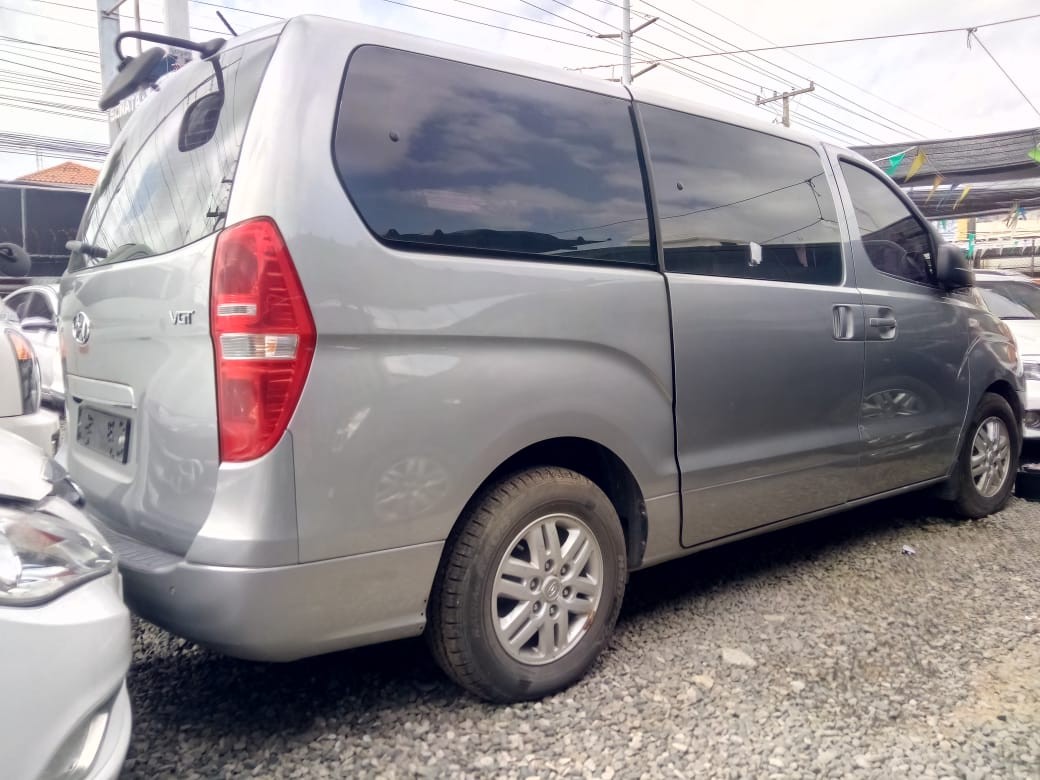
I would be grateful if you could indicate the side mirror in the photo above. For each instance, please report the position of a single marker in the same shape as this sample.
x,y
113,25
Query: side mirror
x,y
39,323
14,261
952,268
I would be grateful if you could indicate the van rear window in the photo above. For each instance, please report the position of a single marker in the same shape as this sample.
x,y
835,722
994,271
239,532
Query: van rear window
x,y
151,196
440,154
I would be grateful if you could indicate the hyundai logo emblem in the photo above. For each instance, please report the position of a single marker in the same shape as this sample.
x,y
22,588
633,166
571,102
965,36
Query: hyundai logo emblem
x,y
81,328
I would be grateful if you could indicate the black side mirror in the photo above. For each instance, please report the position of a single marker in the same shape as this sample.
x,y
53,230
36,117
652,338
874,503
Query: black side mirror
x,y
14,261
953,269
134,73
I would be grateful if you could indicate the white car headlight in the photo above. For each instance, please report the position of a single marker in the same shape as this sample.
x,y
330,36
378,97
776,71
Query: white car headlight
x,y
1031,369
42,556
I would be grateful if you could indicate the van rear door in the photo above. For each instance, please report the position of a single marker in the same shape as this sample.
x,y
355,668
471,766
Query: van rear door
x,y
143,437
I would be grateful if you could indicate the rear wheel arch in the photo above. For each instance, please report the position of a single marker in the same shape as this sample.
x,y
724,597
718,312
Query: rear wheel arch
x,y
593,460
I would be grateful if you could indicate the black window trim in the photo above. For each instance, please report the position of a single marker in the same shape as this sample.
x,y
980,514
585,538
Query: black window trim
x,y
653,266
821,154
905,199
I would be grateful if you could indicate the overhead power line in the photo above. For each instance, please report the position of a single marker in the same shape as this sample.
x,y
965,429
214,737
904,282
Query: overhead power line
x,y
871,117
832,74
832,42
973,34
25,43
237,10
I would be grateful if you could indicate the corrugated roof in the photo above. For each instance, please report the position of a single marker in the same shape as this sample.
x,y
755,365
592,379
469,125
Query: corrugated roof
x,y
993,157
67,173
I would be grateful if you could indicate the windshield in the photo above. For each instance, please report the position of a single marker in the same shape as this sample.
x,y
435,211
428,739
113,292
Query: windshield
x,y
1012,300
168,178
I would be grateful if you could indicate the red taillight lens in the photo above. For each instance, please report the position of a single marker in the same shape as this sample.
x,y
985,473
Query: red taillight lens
x,y
263,337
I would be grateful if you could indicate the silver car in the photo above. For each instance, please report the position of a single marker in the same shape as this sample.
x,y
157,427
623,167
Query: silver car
x,y
450,343
36,306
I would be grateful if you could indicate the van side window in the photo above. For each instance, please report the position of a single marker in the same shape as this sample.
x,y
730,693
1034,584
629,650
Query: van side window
x,y
437,154
741,203
895,240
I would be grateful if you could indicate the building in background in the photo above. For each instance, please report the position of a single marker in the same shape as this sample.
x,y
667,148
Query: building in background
x,y
41,211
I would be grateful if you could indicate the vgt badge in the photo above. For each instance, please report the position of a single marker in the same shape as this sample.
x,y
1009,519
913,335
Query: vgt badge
x,y
81,328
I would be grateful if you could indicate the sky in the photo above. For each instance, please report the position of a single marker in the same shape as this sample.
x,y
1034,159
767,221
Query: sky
x,y
931,86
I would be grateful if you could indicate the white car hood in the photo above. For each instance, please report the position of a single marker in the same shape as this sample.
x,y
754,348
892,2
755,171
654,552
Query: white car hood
x,y
1027,336
25,470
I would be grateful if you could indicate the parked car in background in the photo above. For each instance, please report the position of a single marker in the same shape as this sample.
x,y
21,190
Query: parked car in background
x,y
64,630
21,387
1015,298
36,307
481,336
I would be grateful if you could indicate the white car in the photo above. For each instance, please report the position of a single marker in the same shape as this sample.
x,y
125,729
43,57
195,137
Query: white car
x,y
1015,298
36,307
21,388
64,630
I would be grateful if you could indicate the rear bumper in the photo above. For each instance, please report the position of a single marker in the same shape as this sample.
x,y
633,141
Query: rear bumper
x,y
281,613
41,428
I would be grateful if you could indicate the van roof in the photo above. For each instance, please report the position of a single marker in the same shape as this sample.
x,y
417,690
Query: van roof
x,y
554,74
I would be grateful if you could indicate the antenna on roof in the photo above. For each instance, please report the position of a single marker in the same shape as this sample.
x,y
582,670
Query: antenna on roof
x,y
226,23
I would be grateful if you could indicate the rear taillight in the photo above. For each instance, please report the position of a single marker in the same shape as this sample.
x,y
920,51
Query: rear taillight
x,y
263,337
28,371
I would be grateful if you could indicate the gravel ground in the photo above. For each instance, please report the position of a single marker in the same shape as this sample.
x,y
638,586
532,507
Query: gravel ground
x,y
823,650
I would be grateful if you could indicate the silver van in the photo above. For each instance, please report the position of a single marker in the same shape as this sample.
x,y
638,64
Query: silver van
x,y
369,336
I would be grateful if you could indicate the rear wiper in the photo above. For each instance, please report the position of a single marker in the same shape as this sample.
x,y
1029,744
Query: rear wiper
x,y
121,252
83,248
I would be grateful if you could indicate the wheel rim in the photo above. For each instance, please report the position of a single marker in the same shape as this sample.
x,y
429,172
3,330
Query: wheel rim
x,y
547,589
990,456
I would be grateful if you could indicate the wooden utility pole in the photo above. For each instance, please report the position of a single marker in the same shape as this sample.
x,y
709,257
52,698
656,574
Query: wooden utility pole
x,y
786,97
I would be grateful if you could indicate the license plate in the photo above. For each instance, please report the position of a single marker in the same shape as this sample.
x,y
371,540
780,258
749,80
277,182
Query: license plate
x,y
106,433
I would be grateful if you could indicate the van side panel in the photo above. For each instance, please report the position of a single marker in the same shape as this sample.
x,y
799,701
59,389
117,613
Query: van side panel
x,y
431,369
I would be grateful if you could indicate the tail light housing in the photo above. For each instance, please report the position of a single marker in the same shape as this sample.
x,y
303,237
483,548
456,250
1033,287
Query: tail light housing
x,y
28,371
263,337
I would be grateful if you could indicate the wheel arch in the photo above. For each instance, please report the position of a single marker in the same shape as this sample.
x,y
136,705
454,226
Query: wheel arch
x,y
1004,389
596,462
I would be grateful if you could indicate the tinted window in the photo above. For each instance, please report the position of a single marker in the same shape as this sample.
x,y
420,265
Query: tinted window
x,y
895,240
736,202
1012,300
437,153
151,197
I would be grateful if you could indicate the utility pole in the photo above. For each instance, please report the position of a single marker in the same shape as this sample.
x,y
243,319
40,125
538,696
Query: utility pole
x,y
176,24
786,97
175,18
108,29
626,42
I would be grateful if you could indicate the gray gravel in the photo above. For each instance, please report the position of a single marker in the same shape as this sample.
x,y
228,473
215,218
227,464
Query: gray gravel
x,y
821,651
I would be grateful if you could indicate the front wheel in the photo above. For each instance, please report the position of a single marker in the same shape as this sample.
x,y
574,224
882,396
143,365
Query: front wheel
x,y
989,457
530,587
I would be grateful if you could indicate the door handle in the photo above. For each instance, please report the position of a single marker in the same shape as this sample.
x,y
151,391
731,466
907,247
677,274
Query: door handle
x,y
884,323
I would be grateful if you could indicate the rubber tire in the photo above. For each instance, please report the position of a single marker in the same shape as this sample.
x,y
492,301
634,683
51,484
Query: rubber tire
x,y
459,631
968,502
